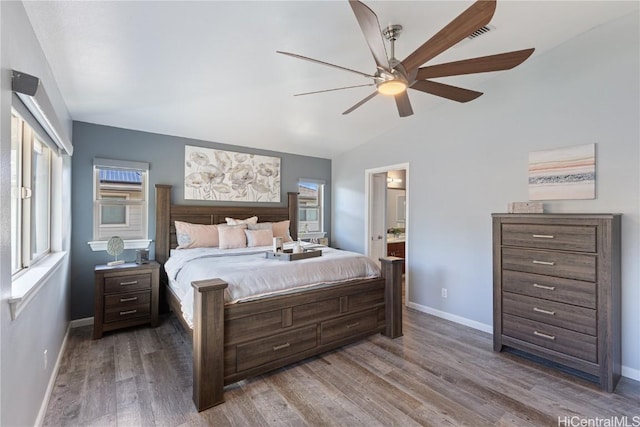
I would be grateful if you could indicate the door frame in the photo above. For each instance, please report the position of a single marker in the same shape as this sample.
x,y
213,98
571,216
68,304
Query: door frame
x,y
368,174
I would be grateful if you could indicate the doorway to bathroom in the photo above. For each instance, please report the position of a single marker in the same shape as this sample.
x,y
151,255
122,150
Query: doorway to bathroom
x,y
387,213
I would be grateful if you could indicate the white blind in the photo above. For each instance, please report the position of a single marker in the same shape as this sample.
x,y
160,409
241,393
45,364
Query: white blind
x,y
40,111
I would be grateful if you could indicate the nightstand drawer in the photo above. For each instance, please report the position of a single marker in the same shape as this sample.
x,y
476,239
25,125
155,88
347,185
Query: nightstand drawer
x,y
562,340
560,237
127,283
566,316
569,291
124,301
270,349
116,314
550,263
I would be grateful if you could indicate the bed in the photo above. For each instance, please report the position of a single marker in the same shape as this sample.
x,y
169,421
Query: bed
x,y
236,340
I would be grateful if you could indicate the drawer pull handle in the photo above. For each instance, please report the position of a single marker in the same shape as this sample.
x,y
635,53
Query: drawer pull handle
x,y
547,336
539,310
132,282
128,299
352,325
281,346
543,236
535,261
124,313
548,288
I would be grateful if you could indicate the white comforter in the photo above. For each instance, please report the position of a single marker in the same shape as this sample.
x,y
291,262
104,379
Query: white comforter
x,y
251,275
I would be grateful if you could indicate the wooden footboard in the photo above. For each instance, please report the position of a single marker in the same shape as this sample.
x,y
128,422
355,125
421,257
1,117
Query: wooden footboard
x,y
236,341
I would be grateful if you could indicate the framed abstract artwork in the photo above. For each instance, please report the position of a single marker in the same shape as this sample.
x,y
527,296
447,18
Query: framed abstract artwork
x,y
563,173
211,174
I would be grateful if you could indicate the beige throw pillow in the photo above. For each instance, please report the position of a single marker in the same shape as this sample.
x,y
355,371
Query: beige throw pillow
x,y
232,236
196,235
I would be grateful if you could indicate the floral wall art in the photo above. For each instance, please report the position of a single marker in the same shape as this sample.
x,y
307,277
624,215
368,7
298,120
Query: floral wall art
x,y
211,174
563,173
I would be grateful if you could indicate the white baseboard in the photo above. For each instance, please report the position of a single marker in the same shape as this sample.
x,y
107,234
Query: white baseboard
x,y
87,321
631,373
627,372
452,317
52,380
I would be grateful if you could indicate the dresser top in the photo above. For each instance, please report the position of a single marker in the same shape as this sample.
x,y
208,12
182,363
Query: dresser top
x,y
556,215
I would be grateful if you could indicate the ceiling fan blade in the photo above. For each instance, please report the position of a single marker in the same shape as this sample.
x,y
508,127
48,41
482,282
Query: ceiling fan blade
x,y
361,102
331,90
370,27
476,16
484,64
325,63
446,91
403,104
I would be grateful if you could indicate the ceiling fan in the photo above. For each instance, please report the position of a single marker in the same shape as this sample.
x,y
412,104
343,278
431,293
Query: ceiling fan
x,y
393,77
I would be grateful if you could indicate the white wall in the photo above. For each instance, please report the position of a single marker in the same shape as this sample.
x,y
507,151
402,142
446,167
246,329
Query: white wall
x,y
469,160
43,322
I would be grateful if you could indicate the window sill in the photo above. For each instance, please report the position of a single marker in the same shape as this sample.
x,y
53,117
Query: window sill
x,y
101,245
28,283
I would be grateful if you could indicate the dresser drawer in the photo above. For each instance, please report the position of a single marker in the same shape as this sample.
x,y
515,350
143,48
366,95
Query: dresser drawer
x,y
270,349
560,237
349,325
116,313
569,291
550,263
129,299
552,337
127,283
566,316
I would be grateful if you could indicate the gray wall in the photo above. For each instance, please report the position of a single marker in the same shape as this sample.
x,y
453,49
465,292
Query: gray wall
x,y
165,154
43,323
469,160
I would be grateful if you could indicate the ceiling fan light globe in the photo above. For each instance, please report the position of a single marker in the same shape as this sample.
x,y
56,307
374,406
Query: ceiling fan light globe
x,y
392,87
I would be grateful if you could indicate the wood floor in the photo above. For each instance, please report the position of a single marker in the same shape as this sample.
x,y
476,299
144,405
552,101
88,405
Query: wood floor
x,y
438,374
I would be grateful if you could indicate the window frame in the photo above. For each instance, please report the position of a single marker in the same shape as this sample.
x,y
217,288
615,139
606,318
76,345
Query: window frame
x,y
319,207
142,241
23,195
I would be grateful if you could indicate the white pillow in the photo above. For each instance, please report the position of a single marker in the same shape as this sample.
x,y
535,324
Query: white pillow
x,y
233,221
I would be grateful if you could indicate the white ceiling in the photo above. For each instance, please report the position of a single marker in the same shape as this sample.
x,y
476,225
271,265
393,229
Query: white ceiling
x,y
208,69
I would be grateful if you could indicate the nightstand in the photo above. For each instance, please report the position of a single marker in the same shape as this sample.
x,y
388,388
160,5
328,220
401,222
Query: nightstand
x,y
126,295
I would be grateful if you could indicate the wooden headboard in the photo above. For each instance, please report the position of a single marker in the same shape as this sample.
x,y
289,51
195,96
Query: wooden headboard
x,y
167,213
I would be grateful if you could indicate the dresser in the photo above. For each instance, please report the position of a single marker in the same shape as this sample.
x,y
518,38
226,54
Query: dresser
x,y
556,290
125,295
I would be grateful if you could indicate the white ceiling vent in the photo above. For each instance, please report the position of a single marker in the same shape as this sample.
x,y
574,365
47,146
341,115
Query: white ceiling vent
x,y
477,33
481,31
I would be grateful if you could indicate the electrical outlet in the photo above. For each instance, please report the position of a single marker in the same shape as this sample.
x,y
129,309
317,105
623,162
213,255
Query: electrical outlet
x,y
46,360
444,292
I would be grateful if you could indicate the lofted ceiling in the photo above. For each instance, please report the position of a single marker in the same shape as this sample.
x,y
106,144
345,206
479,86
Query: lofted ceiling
x,y
208,69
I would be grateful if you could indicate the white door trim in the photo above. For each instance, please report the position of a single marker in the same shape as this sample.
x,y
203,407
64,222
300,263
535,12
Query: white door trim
x,y
367,195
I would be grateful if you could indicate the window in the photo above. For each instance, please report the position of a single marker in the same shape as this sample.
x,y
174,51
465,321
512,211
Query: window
x,y
310,206
31,160
120,202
